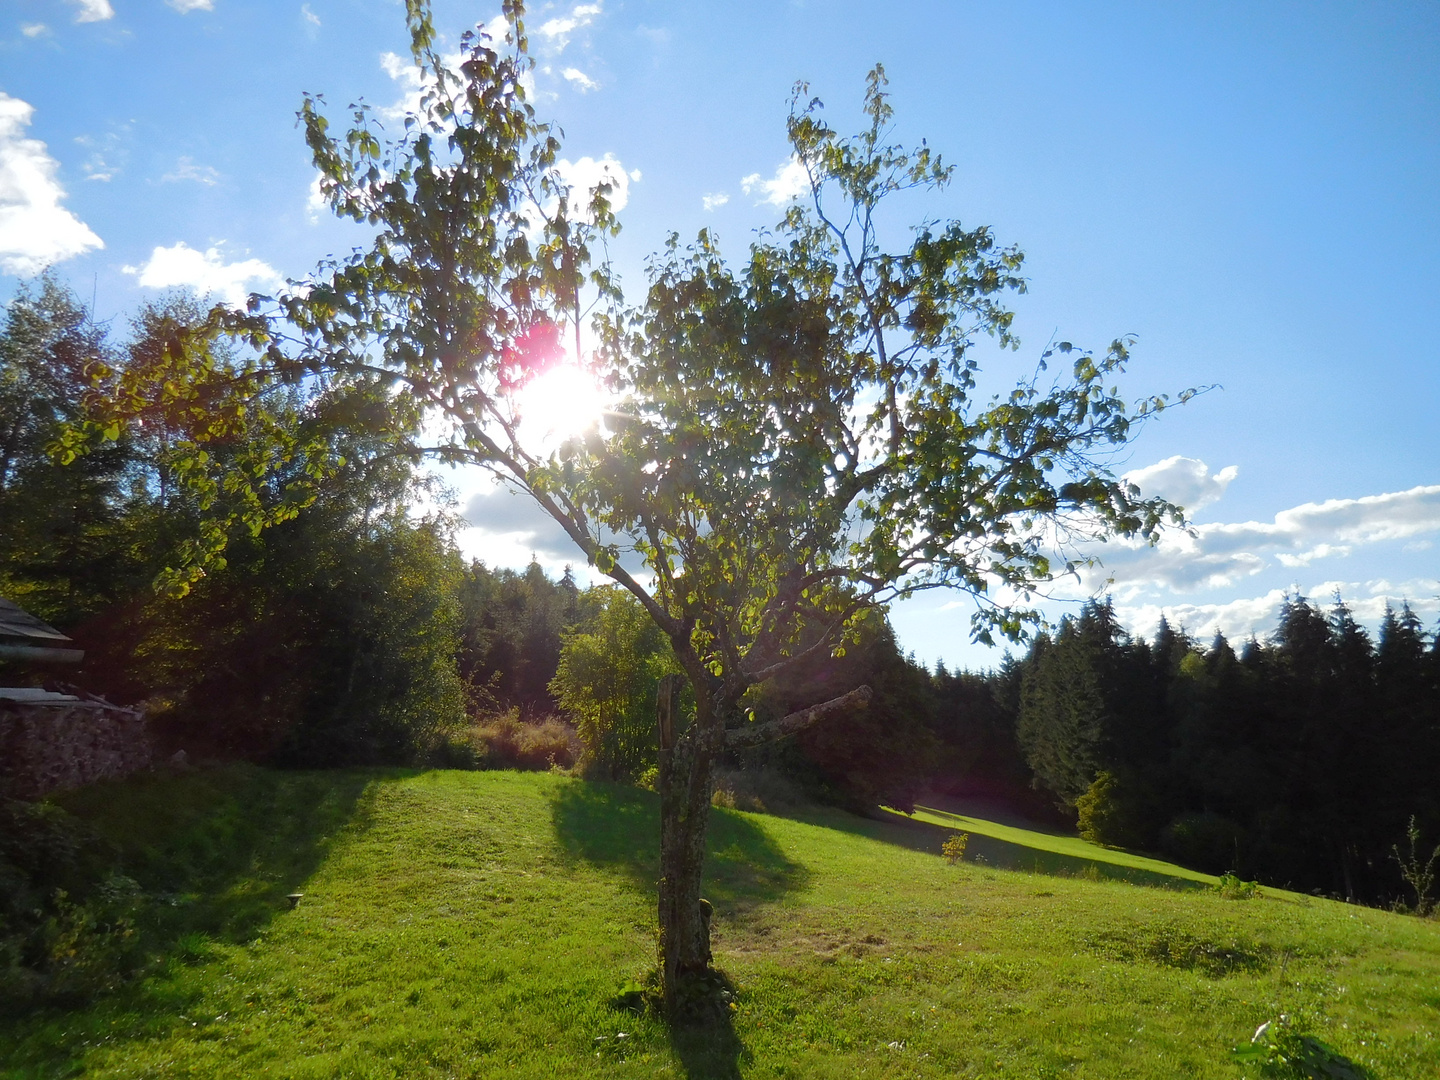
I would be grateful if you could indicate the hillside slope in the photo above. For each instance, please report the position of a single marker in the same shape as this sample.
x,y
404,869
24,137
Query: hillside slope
x,y
476,924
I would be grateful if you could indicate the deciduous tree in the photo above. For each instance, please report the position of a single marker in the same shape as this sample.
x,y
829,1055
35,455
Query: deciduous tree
x,y
796,437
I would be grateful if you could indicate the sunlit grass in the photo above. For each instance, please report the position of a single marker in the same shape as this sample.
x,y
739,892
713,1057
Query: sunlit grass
x,y
479,924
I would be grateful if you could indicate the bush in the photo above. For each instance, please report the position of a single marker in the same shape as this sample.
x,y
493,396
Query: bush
x,y
1231,887
606,680
68,923
758,791
1108,815
954,848
507,742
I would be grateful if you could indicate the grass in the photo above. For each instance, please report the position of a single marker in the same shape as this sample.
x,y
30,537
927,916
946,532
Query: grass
x,y
486,924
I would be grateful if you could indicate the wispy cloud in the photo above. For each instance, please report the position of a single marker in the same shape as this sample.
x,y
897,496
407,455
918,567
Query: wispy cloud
x,y
204,272
789,182
35,230
1222,554
34,30
93,10
184,7
107,153
309,16
187,170
558,31
710,202
581,81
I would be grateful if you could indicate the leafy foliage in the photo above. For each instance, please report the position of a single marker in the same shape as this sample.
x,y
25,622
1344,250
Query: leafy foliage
x,y
1280,1050
610,665
954,847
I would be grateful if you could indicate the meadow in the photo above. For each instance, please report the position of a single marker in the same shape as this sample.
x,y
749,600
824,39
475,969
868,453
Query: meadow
x,y
473,924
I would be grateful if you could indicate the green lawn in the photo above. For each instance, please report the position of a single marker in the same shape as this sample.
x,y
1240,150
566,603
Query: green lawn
x,y
481,924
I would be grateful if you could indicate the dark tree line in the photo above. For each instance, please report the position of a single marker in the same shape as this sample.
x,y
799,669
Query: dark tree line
x,y
1300,760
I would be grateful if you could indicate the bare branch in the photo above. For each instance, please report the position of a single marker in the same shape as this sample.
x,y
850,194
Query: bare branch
x,y
758,734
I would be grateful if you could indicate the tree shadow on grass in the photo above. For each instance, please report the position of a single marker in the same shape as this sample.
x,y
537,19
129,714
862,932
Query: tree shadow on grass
x,y
618,826
221,849
925,836
214,853
704,1038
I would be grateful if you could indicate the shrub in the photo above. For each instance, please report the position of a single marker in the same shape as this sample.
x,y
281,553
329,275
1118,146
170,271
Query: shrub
x,y
1107,814
1231,887
954,848
758,790
606,681
507,742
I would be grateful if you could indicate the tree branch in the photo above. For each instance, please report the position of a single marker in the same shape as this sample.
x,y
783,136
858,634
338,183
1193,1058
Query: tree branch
x,y
757,734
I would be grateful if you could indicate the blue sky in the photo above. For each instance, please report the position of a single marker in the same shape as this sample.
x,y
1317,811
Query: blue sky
x,y
1252,190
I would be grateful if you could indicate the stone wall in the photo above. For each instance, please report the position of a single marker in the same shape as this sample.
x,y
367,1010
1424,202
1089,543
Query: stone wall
x,y
51,747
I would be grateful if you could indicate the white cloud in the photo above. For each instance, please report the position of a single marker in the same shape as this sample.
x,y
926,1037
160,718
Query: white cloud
x,y
186,169
789,183
204,272
1257,615
1219,555
557,31
93,10
315,202
308,15
1237,619
407,73
32,30
1184,481
35,230
710,202
585,175
184,7
582,82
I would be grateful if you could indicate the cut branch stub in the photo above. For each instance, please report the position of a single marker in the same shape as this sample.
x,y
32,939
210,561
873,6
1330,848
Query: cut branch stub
x,y
756,734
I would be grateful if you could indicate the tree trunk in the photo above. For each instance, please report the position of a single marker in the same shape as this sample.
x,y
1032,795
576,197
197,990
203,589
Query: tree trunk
x,y
685,761
684,782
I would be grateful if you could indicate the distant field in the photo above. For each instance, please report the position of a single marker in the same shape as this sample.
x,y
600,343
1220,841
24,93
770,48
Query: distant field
x,y
481,924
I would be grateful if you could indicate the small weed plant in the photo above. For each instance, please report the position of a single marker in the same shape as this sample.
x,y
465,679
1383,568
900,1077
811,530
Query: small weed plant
x,y
954,848
1280,1050
1231,887
1419,876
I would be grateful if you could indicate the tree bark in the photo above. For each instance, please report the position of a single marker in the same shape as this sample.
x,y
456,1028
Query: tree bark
x,y
684,781
685,762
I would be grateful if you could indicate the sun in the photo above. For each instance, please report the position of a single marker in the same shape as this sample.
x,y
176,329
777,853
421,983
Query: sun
x,y
561,402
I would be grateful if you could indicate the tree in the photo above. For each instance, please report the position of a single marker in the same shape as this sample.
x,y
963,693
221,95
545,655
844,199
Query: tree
x,y
610,667
795,440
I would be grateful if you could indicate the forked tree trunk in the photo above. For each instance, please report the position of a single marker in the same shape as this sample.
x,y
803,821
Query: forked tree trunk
x,y
684,782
